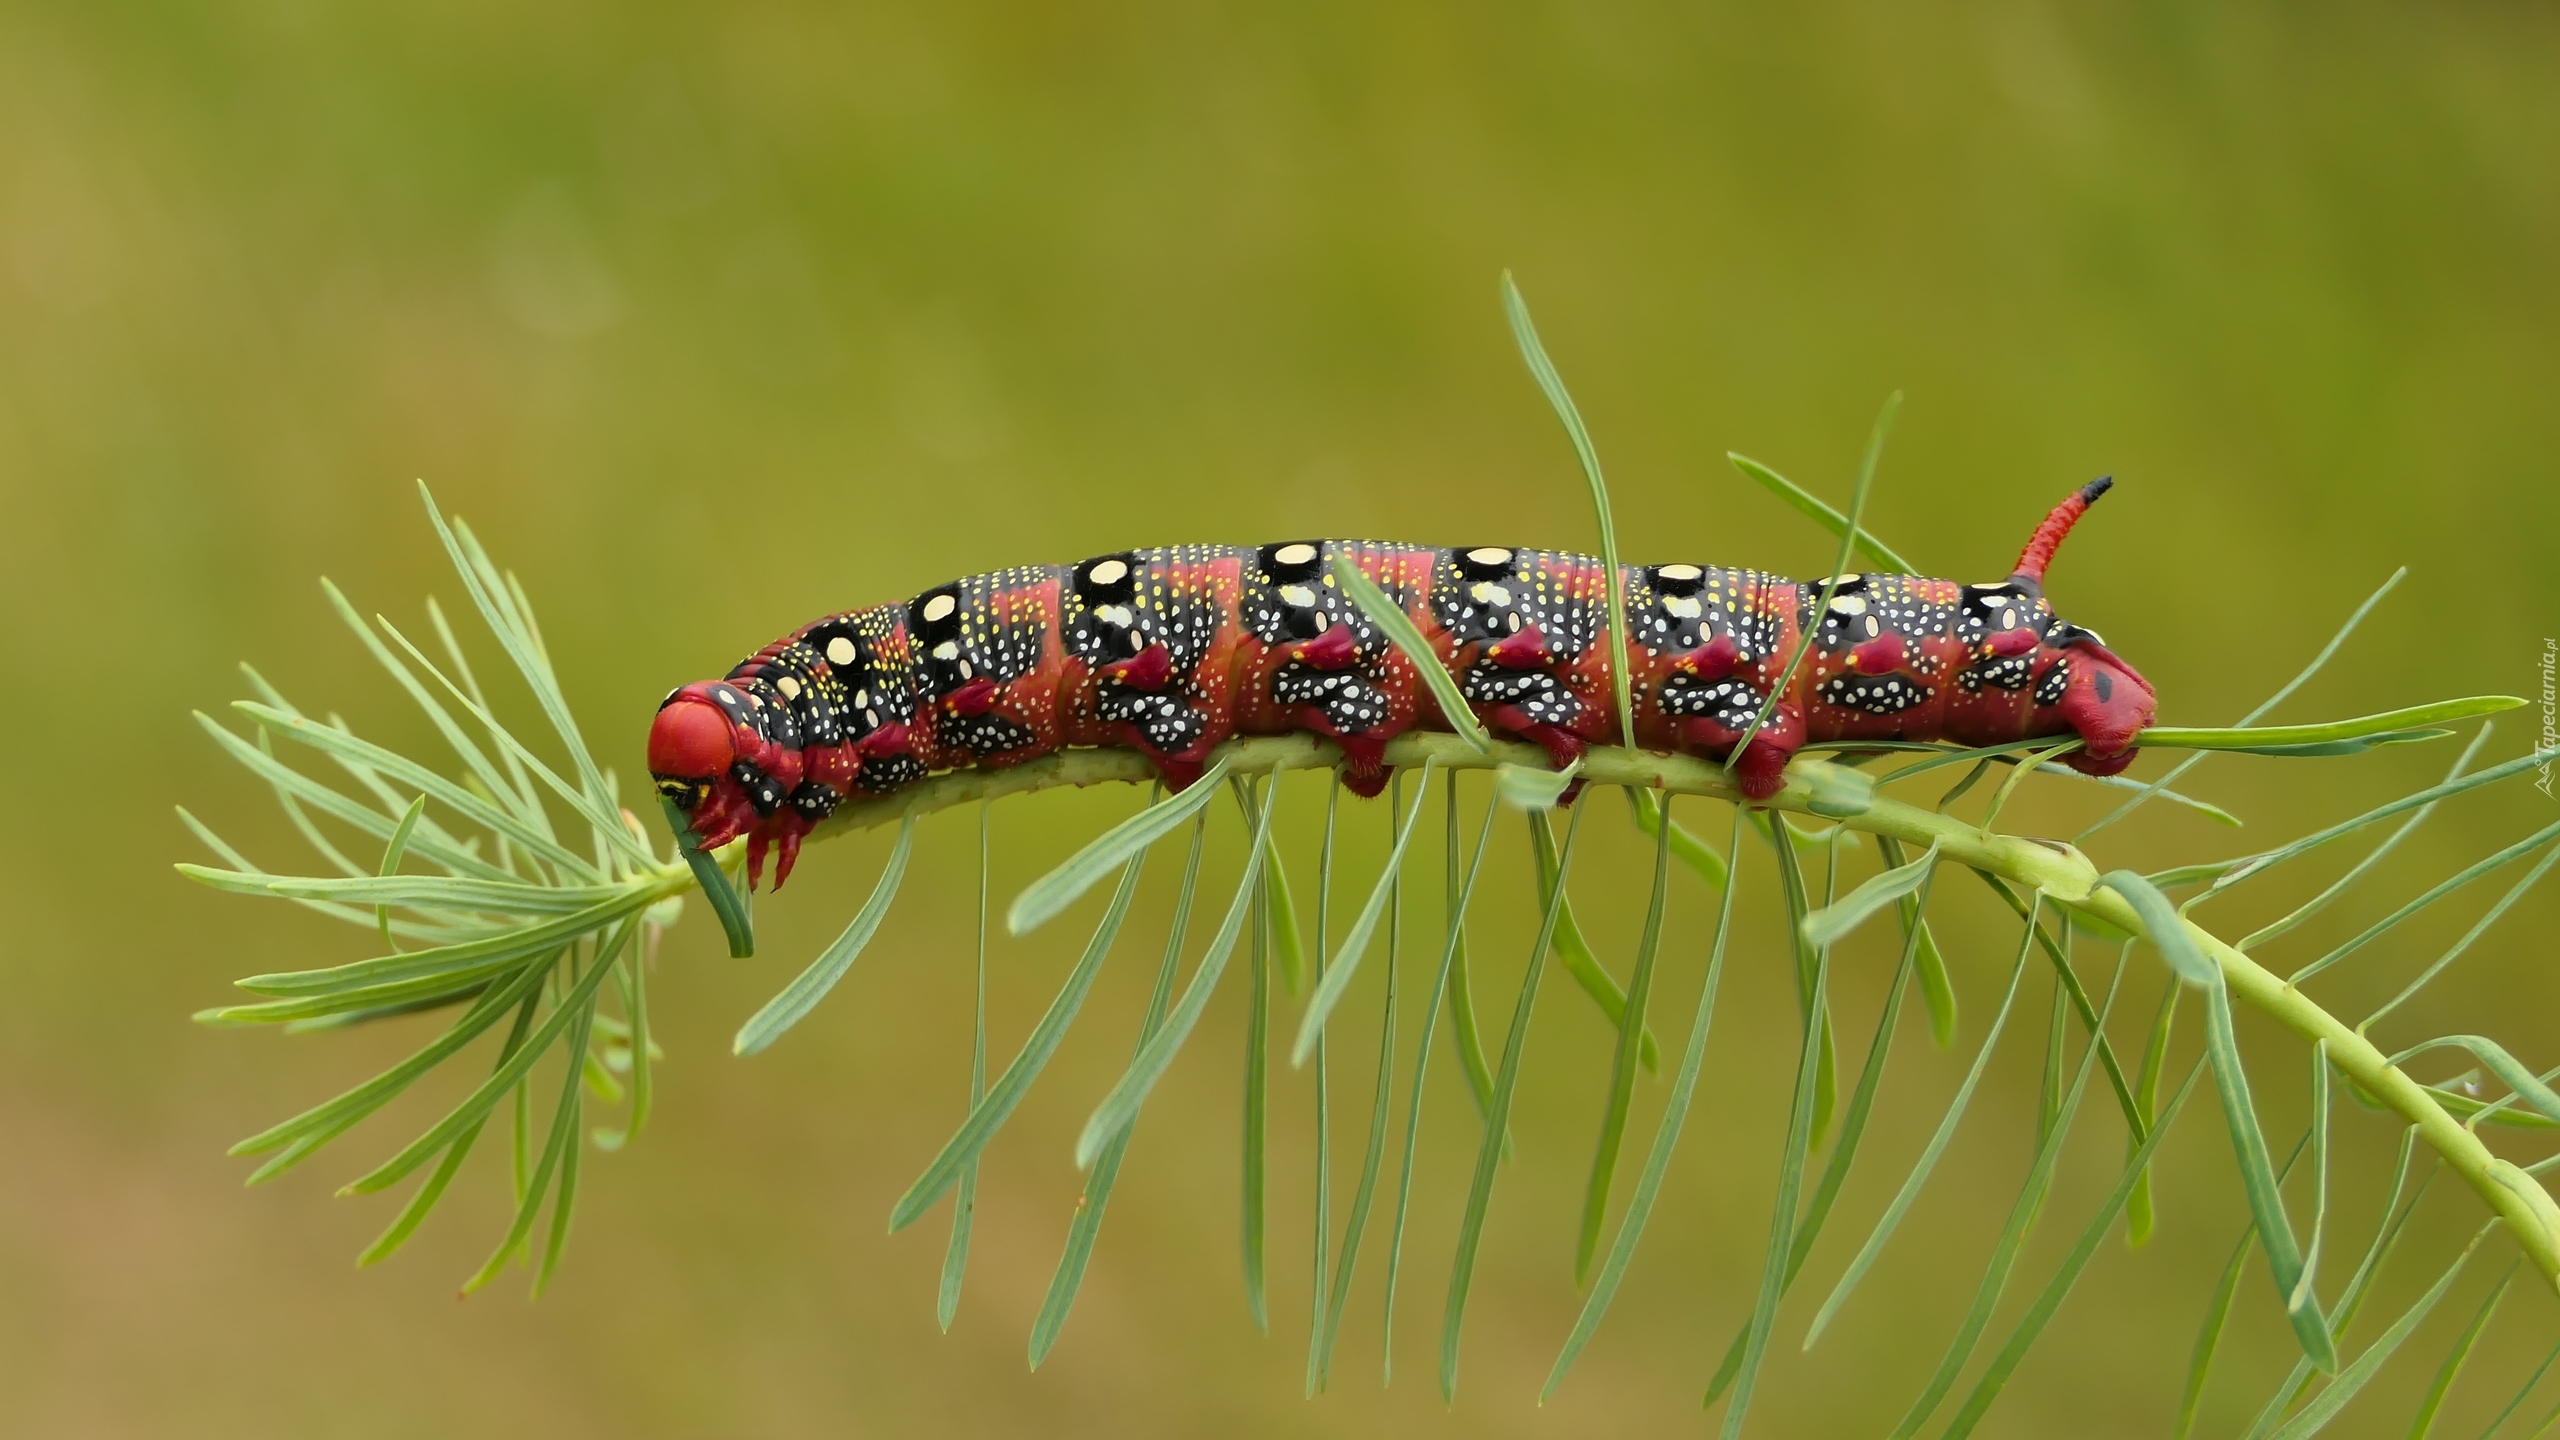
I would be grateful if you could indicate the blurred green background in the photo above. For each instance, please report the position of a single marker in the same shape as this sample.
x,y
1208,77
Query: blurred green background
x,y
714,317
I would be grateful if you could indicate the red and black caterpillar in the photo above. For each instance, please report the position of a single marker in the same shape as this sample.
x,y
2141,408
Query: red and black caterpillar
x,y
1172,651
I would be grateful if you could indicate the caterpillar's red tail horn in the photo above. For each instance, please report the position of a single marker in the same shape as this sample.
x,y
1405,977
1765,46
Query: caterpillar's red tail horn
x,y
2057,524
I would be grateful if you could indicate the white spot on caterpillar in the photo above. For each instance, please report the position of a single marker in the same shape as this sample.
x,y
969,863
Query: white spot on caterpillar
x,y
2009,619
724,695
789,687
1109,572
1874,628
964,669
947,650
1115,615
862,701
1489,593
1322,620
1293,554
1490,555
1684,606
939,608
1298,595
1848,605
840,651
1679,572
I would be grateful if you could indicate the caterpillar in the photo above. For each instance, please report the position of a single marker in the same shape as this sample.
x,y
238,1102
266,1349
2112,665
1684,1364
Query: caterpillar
x,y
1171,651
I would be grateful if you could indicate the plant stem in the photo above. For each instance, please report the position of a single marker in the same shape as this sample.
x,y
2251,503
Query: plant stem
x,y
1817,787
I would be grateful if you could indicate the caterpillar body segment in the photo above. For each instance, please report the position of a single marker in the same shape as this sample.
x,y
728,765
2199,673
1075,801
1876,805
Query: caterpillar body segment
x,y
1172,651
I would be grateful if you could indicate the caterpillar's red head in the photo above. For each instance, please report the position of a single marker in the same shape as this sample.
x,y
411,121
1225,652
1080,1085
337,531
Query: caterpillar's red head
x,y
707,755
2106,700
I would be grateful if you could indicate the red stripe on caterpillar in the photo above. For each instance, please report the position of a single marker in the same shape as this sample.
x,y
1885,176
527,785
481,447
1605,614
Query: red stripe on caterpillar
x,y
1172,651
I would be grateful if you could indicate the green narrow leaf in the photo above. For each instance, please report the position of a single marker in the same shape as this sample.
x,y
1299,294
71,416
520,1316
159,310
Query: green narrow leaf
x,y
2353,877
2117,1081
803,994
511,621
2207,809
1498,1117
1919,1176
1391,618
521,783
424,1201
2335,1397
391,855
1120,1107
2451,883
521,802
294,789
1812,1062
1853,1127
1324,1115
1827,925
2250,867
1589,975
570,1121
1529,788
1284,919
1460,892
1622,1066
2305,1290
1690,850
2298,1381
1804,503
1257,1099
1995,1376
340,745
1086,1227
1791,885
345,1110
2510,1071
1058,889
2272,701
2427,976
1525,333
1462,1001
2327,732
2530,1381
1323,1110
1937,988
2217,1314
2424,1423
575,1002
1334,978
1666,1137
715,885
1381,1107
600,814
2013,1236
961,1150
2056,1051
2018,774
562,1142
955,1256
2139,1216
2169,935
1831,582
